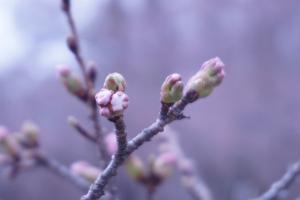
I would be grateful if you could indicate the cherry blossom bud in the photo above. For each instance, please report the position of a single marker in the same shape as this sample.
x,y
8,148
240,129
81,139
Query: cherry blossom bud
x,y
171,90
115,82
85,170
9,143
163,165
72,82
72,44
119,102
111,104
135,168
111,143
29,135
210,75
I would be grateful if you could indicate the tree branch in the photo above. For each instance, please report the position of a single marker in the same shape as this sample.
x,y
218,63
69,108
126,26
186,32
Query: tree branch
x,y
97,188
283,184
74,46
62,171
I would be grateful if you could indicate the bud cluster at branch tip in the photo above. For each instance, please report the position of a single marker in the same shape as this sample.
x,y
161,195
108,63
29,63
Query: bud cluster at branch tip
x,y
85,170
210,75
111,99
171,89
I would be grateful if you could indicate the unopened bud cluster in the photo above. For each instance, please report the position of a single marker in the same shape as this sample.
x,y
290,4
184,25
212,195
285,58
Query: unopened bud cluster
x,y
210,75
111,99
17,146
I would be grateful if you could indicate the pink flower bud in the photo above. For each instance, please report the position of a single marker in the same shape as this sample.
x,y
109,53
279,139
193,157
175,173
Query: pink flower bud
x,y
111,143
119,101
115,82
111,104
72,82
164,164
135,168
103,97
210,75
63,70
85,170
171,90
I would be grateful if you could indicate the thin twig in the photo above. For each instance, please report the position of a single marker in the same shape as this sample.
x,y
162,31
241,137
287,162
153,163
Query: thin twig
x,y
62,171
81,130
97,188
283,184
74,46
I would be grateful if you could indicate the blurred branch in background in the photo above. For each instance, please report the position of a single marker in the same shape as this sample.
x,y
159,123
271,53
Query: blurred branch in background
x,y
25,146
193,183
283,184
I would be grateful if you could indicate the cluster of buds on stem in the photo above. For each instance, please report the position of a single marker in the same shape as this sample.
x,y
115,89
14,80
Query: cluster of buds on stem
x,y
210,75
20,147
111,99
72,82
155,173
85,170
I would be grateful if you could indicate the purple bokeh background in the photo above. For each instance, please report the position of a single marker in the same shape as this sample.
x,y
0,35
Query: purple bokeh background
x,y
242,137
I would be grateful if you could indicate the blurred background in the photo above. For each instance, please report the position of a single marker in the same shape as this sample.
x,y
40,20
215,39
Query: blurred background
x,y
242,138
